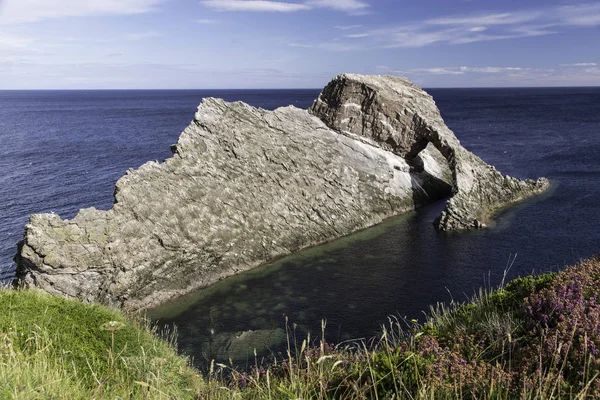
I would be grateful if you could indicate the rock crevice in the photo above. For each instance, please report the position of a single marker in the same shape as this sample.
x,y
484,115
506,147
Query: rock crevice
x,y
246,185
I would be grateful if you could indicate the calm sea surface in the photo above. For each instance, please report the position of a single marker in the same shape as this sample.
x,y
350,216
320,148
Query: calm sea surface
x,y
61,151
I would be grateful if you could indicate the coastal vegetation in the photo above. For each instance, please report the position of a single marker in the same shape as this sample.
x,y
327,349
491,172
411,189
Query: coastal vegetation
x,y
55,348
535,337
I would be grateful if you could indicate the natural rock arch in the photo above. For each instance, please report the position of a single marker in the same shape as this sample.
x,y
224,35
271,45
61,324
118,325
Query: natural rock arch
x,y
245,186
402,118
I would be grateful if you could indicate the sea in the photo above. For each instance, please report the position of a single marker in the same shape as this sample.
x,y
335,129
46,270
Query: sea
x,y
64,150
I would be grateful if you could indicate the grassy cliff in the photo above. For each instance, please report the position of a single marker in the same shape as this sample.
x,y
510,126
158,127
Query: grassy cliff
x,y
52,348
535,338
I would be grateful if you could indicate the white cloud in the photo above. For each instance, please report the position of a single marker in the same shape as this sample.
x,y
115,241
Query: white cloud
x,y
566,73
207,21
334,46
304,46
22,11
464,29
416,36
583,64
13,48
464,39
15,42
410,38
573,15
487,19
492,70
11,60
351,6
347,27
436,71
359,35
254,5
457,30
592,71
342,5
534,30
462,70
580,15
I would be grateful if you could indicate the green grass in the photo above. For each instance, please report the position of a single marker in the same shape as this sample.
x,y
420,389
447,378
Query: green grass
x,y
538,337
53,348
515,342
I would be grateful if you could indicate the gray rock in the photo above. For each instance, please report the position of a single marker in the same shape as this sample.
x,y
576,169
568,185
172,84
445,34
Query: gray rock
x,y
246,185
402,118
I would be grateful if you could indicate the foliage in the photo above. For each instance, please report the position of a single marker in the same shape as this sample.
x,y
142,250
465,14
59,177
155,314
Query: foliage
x,y
51,347
538,337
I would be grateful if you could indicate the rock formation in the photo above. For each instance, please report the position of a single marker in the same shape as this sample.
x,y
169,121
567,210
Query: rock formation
x,y
402,118
246,185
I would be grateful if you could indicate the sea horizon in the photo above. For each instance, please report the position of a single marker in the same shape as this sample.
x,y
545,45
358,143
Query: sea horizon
x,y
294,88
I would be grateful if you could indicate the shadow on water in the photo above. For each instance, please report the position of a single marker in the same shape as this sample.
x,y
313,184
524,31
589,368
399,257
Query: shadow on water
x,y
398,268
247,311
355,283
320,254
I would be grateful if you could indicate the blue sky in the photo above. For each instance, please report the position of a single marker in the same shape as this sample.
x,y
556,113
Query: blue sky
x,y
186,44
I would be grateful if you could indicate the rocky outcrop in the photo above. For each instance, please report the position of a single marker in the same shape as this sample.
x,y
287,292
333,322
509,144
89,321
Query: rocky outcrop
x,y
246,185
402,118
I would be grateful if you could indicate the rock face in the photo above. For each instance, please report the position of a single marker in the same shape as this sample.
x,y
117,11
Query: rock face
x,y
246,185
402,118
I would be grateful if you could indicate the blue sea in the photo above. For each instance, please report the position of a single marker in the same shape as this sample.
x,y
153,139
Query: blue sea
x,y
64,150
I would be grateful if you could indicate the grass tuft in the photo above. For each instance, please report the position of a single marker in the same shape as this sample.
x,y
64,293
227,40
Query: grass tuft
x,y
53,348
538,337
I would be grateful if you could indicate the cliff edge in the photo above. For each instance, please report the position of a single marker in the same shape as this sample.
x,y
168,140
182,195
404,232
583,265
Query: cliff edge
x,y
246,185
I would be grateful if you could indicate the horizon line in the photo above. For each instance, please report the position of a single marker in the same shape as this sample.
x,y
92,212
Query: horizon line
x,y
292,88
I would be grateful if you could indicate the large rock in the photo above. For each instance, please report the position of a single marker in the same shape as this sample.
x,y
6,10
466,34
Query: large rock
x,y
245,186
402,118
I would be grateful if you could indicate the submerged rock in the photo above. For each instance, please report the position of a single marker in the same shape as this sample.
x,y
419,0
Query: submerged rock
x,y
236,346
246,185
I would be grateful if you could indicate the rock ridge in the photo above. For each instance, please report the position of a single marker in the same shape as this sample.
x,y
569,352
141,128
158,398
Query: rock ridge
x,y
246,185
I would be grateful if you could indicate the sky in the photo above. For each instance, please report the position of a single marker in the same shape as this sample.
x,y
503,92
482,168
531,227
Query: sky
x,y
209,44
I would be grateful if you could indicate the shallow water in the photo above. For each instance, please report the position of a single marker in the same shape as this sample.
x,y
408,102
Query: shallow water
x,y
401,268
62,151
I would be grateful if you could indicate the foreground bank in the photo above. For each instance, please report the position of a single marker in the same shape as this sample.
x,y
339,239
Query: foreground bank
x,y
55,348
245,186
535,338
